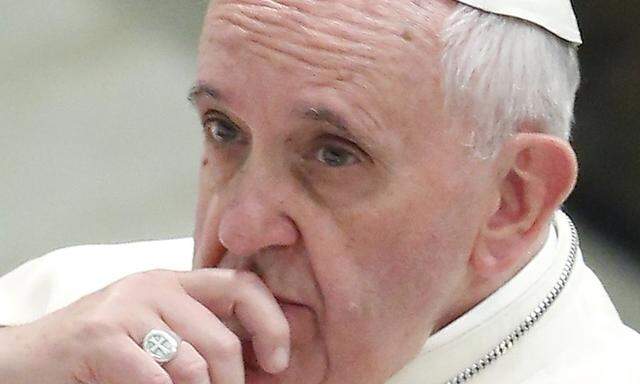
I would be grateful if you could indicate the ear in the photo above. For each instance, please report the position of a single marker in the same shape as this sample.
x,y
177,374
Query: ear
x,y
535,174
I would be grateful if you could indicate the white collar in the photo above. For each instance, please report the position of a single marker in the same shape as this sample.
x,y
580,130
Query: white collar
x,y
501,298
473,334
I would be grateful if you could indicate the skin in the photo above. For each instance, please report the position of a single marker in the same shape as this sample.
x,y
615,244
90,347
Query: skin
x,y
341,220
408,232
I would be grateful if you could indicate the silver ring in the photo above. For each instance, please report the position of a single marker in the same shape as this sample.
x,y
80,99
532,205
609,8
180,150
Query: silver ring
x,y
161,345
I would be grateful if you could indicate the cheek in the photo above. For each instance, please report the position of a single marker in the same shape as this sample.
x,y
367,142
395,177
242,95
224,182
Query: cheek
x,y
217,168
208,190
404,264
203,194
381,299
398,265
392,284
205,187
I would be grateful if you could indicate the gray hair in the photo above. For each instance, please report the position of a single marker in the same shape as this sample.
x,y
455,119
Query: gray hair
x,y
501,72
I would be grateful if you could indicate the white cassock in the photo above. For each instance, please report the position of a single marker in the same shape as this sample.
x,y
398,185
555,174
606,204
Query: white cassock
x,y
578,338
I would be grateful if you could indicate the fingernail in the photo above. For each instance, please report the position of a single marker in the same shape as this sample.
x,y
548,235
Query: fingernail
x,y
280,359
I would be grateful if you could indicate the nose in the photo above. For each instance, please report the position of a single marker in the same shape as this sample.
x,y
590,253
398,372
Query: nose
x,y
254,222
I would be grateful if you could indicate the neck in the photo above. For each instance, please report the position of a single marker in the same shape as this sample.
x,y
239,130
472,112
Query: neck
x,y
480,331
481,289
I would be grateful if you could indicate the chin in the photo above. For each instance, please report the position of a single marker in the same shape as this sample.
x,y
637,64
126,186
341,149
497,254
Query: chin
x,y
290,376
308,362
305,367
300,371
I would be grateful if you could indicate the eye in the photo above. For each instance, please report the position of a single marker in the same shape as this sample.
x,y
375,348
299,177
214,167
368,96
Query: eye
x,y
221,130
335,156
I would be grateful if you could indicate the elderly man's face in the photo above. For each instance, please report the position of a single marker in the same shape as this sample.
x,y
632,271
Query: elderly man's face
x,y
331,170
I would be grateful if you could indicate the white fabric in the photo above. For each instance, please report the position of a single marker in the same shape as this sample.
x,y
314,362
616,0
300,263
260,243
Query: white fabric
x,y
61,277
508,293
579,340
556,16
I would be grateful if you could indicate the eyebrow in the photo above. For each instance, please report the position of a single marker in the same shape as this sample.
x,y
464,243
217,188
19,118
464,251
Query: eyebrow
x,y
328,116
200,90
335,119
320,114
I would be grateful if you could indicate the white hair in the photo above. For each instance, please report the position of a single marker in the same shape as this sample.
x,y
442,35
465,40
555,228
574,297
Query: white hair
x,y
503,73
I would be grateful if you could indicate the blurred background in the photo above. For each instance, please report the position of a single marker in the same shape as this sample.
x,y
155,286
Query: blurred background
x,y
98,143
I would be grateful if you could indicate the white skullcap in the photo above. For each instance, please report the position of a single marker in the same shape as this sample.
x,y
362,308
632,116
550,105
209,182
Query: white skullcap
x,y
556,16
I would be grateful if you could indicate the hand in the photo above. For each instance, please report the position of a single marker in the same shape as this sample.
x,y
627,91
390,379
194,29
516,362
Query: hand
x,y
97,339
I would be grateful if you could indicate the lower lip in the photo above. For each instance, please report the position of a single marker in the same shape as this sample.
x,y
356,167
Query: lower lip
x,y
292,308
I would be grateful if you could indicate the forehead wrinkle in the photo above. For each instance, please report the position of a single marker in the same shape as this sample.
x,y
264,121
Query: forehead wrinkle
x,y
296,46
337,33
303,43
330,11
320,33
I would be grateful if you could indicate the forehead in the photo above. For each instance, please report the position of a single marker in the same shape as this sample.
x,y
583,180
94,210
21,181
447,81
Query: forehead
x,y
366,51
325,34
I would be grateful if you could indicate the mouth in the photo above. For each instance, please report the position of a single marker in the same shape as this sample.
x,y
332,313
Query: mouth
x,y
287,301
303,329
296,314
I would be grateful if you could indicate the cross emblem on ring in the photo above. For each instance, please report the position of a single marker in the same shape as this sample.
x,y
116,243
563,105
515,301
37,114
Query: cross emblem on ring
x,y
161,345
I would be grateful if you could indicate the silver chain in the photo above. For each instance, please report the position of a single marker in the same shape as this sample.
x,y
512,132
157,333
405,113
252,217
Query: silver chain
x,y
528,323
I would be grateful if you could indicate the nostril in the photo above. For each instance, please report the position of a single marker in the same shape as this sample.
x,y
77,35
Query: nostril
x,y
208,253
237,242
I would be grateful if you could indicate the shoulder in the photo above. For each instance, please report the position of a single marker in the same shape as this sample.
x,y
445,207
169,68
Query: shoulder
x,y
584,340
63,276
611,362
135,256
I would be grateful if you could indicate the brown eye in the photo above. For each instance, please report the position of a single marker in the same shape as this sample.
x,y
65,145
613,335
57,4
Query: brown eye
x,y
335,156
221,131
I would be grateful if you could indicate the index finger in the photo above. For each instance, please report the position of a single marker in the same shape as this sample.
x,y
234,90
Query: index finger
x,y
242,294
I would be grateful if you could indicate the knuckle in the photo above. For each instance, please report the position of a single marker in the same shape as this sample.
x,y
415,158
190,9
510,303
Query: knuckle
x,y
150,278
113,296
96,327
192,370
227,347
127,367
140,284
